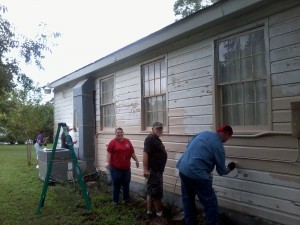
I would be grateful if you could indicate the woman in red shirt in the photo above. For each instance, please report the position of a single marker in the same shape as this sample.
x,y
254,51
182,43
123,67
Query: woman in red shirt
x,y
119,153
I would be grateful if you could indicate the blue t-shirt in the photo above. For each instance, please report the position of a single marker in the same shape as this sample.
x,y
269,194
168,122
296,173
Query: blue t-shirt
x,y
203,153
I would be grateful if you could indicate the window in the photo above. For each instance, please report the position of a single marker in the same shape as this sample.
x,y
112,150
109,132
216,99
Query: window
x,y
107,102
242,79
154,83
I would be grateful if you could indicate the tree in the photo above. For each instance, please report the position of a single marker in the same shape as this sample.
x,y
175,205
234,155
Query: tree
x,y
14,47
21,111
185,8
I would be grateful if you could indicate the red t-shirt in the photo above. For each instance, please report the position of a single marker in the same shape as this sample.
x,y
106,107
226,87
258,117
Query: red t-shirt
x,y
121,152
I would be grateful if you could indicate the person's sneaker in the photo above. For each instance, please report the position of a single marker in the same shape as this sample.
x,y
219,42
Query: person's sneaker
x,y
114,203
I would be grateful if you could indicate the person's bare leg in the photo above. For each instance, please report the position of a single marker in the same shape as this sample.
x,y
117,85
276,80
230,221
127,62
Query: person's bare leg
x,y
158,208
149,204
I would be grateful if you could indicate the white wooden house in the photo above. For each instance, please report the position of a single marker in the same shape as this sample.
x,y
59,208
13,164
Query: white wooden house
x,y
236,62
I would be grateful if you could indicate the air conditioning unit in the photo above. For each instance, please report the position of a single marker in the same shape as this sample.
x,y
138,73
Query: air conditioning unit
x,y
62,168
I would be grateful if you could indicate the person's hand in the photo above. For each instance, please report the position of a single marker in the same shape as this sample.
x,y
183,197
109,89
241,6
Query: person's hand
x,y
137,164
231,166
146,174
107,166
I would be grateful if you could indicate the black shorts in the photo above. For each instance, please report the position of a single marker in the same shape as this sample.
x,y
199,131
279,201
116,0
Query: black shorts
x,y
155,185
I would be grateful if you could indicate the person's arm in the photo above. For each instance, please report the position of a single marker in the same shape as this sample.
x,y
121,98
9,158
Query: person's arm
x,y
145,165
219,154
136,160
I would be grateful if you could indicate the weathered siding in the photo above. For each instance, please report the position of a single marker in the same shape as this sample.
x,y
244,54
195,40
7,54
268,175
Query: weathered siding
x,y
128,99
284,33
190,89
63,108
267,181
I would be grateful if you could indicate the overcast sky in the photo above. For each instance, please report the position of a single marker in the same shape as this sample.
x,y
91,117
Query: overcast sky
x,y
90,29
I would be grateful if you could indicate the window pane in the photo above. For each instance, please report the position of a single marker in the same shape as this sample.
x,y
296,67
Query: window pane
x,y
146,89
145,73
149,120
160,116
226,94
242,79
154,89
232,49
108,115
160,105
245,45
261,91
238,114
151,87
163,85
234,70
246,68
147,104
162,68
258,42
157,86
249,94
222,51
227,114
249,114
107,84
107,102
151,72
154,103
237,93
259,68
157,70
262,113
223,72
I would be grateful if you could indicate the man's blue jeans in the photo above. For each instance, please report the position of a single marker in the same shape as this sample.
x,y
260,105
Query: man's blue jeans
x,y
206,195
120,178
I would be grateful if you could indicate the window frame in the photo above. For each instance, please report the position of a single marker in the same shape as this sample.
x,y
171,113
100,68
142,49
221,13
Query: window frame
x,y
101,105
144,126
262,25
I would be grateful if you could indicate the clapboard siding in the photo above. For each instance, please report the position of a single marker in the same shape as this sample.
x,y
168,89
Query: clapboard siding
x,y
268,140
191,111
285,53
267,180
284,16
286,65
284,31
286,26
285,40
284,103
63,104
281,78
192,92
262,153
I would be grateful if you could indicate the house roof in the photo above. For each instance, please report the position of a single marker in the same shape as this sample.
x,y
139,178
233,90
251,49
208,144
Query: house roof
x,y
196,27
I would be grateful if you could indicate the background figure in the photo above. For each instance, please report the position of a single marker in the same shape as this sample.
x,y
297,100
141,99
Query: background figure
x,y
119,153
39,142
204,152
154,162
66,142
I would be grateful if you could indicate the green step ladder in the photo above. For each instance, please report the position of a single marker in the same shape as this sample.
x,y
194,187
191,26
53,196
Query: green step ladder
x,y
83,187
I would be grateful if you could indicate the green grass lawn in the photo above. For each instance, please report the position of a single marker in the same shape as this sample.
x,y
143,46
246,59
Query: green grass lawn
x,y
20,192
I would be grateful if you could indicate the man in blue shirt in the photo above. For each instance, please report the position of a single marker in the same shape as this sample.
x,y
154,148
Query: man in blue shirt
x,y
204,152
